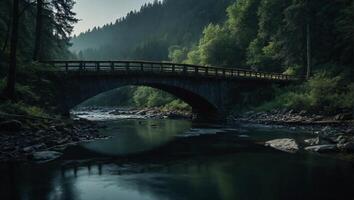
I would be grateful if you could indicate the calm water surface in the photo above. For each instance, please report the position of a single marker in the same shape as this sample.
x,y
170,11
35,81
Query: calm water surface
x,y
247,171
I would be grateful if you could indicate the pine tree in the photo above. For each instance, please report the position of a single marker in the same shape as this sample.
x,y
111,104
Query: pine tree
x,y
9,92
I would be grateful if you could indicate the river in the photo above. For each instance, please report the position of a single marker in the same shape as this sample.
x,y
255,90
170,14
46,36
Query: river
x,y
146,159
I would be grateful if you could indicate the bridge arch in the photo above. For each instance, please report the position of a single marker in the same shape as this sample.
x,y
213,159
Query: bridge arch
x,y
198,96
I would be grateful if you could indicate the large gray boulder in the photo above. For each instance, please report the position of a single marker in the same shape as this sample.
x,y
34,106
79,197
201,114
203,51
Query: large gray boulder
x,y
286,145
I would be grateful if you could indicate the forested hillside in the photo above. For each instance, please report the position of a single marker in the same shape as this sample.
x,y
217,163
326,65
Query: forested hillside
x,y
304,38
273,35
55,31
151,31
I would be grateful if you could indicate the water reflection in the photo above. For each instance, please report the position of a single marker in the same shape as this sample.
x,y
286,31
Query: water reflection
x,y
249,173
258,175
133,136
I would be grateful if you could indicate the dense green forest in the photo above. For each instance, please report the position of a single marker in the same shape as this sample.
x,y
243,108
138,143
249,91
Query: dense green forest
x,y
31,31
55,31
312,38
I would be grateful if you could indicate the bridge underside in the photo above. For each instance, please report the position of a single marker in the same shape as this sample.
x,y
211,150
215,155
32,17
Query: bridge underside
x,y
209,98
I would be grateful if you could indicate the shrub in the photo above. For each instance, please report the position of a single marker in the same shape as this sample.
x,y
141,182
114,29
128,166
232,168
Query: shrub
x,y
324,93
177,105
22,109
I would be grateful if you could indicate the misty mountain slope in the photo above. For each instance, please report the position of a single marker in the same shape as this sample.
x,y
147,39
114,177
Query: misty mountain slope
x,y
149,32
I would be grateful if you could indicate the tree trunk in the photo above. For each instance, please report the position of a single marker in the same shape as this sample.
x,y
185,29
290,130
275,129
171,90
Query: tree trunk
x,y
308,49
9,92
6,39
39,24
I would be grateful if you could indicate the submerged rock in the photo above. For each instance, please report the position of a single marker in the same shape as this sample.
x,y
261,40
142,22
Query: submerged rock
x,y
46,156
326,148
287,145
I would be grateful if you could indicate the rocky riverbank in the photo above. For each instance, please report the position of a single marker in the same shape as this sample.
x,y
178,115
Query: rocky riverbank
x,y
156,113
331,134
143,113
24,138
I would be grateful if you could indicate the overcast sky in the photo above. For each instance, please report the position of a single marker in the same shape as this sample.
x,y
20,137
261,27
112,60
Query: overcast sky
x,y
99,12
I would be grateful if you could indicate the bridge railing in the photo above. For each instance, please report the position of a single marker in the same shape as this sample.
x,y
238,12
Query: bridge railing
x,y
163,68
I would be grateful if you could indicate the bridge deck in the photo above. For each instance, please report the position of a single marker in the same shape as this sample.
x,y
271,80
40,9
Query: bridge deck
x,y
141,67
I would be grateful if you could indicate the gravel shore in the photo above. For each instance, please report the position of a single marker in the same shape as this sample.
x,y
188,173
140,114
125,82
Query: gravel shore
x,y
331,134
24,139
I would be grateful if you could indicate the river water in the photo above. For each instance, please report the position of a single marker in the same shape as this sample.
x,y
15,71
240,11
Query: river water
x,y
148,159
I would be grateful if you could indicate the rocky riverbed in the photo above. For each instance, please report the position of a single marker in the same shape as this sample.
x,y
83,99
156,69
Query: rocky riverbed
x,y
143,113
40,139
331,134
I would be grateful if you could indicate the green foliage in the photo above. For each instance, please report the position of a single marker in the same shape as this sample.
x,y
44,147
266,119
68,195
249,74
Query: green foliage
x,y
34,92
56,30
323,93
177,54
263,57
177,105
226,44
22,109
214,48
271,35
149,97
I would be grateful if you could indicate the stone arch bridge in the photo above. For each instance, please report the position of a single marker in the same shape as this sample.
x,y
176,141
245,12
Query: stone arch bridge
x,y
210,91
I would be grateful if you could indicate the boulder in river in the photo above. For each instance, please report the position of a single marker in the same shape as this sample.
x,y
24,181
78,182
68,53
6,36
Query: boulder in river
x,y
286,144
11,125
344,116
348,147
312,141
46,156
318,141
326,148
